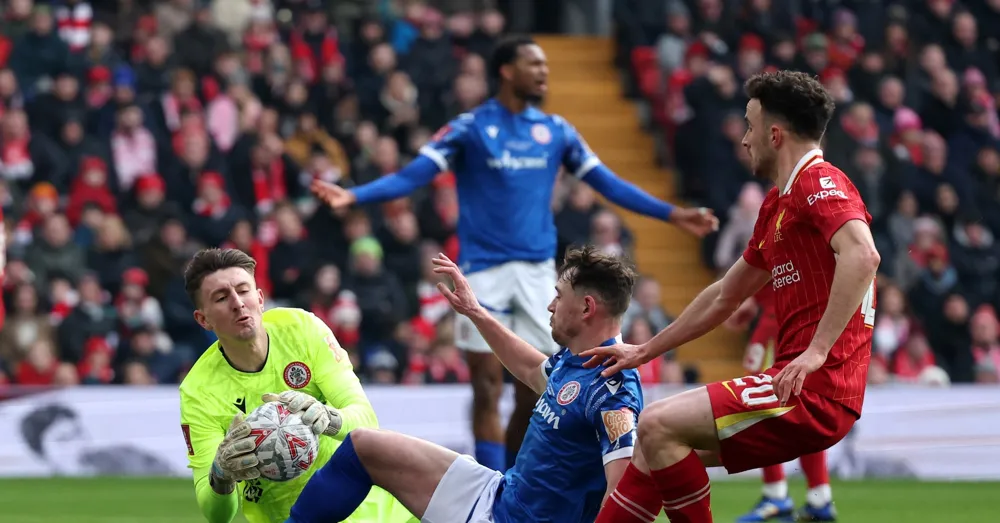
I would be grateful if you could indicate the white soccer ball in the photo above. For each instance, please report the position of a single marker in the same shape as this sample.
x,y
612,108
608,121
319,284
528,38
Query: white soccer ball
x,y
286,447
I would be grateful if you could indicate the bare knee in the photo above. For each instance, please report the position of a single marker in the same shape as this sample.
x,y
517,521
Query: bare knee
x,y
654,422
366,443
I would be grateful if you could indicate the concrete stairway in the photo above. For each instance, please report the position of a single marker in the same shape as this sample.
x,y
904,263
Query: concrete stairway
x,y
584,88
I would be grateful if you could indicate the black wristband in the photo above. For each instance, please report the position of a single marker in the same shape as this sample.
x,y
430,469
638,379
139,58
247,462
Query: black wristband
x,y
221,487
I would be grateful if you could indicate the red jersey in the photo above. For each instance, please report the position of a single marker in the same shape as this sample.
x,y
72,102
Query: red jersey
x,y
791,240
766,330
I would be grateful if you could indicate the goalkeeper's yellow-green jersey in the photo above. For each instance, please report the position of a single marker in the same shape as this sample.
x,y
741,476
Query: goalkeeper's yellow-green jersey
x,y
302,355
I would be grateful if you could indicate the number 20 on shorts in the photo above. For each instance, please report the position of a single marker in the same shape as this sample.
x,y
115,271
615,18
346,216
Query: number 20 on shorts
x,y
868,305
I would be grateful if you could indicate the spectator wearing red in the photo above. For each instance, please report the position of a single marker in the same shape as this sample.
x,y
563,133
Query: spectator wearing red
x,y
912,359
908,137
986,344
39,367
214,211
242,237
133,147
43,201
95,366
316,45
90,187
845,42
135,307
336,306
73,20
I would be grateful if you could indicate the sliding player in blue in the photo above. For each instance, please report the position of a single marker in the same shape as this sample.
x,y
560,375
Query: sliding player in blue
x,y
506,155
578,442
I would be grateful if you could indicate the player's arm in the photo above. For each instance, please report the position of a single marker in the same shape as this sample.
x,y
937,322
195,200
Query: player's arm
x,y
218,503
710,308
435,157
614,413
613,473
857,263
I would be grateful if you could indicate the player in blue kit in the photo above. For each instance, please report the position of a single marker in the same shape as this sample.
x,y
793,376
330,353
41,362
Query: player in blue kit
x,y
506,155
579,439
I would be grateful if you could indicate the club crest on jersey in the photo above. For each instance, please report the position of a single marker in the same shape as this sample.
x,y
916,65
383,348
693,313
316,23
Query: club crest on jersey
x,y
541,134
618,423
568,393
297,375
777,226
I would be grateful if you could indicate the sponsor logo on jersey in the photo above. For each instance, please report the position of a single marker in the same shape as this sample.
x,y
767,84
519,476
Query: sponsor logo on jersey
x,y
541,133
492,131
568,393
549,416
618,423
516,163
613,385
186,430
822,195
297,375
826,182
784,275
241,403
338,352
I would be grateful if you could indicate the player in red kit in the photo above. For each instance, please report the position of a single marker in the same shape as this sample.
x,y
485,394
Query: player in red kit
x,y
775,503
812,244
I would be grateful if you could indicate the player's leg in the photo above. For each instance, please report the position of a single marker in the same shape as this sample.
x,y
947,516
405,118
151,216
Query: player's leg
x,y
819,498
774,502
671,432
485,370
534,289
635,498
406,467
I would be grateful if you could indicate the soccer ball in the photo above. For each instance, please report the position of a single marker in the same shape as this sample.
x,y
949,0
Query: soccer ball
x,y
286,447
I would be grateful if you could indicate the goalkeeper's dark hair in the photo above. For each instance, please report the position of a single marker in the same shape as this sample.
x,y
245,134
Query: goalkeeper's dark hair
x,y
505,53
607,277
208,261
797,99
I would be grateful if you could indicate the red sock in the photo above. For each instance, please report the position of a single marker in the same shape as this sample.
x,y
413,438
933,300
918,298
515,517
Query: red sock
x,y
774,474
635,499
814,469
685,490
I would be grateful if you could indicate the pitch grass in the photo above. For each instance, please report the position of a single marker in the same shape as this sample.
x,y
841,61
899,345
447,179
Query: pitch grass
x,y
140,500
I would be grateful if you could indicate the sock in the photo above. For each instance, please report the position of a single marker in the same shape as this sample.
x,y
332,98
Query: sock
x,y
819,497
685,490
634,500
336,490
814,469
775,486
511,458
491,454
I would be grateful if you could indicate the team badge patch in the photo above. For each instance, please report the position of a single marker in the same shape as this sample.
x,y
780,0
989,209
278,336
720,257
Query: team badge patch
x,y
568,393
541,134
297,375
186,429
618,423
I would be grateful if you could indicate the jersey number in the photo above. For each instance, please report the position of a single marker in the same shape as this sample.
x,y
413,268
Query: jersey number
x,y
868,305
761,393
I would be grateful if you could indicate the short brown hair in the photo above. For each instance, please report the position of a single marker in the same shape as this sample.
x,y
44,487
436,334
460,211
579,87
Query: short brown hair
x,y
208,261
607,277
794,97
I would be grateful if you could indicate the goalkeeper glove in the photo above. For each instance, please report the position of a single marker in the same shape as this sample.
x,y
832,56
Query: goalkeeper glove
x,y
323,419
235,460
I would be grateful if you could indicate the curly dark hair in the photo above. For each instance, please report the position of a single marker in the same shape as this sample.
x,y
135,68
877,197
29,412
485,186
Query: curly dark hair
x,y
207,261
607,277
796,98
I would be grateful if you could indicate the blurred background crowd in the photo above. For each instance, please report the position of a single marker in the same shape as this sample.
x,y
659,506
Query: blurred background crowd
x,y
134,132
916,129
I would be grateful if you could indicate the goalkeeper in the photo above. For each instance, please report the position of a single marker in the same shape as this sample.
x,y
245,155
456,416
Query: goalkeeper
x,y
258,355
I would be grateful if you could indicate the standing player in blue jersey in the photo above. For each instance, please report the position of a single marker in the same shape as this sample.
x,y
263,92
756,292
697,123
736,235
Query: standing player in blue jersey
x,y
578,442
506,155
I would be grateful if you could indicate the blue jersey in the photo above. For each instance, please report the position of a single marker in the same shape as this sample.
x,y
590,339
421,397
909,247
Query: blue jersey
x,y
582,422
505,167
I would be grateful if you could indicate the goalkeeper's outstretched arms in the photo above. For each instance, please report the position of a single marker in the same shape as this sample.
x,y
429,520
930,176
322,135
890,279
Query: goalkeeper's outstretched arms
x,y
344,405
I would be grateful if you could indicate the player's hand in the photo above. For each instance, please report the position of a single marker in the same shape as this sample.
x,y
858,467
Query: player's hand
x,y
698,222
332,194
235,460
616,357
322,419
462,299
790,379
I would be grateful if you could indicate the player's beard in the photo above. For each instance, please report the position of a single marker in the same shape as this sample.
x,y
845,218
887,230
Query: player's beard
x,y
764,165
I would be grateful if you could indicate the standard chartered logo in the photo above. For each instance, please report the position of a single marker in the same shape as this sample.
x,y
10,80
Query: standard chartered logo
x,y
784,275
506,161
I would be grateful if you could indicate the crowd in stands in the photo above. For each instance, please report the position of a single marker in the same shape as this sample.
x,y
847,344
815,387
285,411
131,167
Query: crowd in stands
x,y
916,129
134,133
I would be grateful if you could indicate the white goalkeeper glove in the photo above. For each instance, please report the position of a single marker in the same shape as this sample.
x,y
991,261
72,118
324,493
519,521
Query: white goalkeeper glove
x,y
323,419
235,460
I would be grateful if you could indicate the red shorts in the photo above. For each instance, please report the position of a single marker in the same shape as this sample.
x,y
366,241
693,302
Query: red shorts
x,y
756,431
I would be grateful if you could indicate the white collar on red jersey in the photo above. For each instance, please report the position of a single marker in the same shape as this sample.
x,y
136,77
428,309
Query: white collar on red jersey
x,y
799,167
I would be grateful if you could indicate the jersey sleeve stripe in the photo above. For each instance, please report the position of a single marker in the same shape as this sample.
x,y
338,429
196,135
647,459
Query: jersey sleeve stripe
x,y
587,166
622,453
435,157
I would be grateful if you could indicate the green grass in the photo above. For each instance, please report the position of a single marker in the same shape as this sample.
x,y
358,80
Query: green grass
x,y
172,501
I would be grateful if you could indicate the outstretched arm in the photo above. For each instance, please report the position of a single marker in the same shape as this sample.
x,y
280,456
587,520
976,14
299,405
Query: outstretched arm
x,y
625,194
522,360
416,174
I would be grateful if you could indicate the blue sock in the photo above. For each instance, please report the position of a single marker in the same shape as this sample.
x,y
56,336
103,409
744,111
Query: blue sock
x,y
335,491
491,454
511,458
